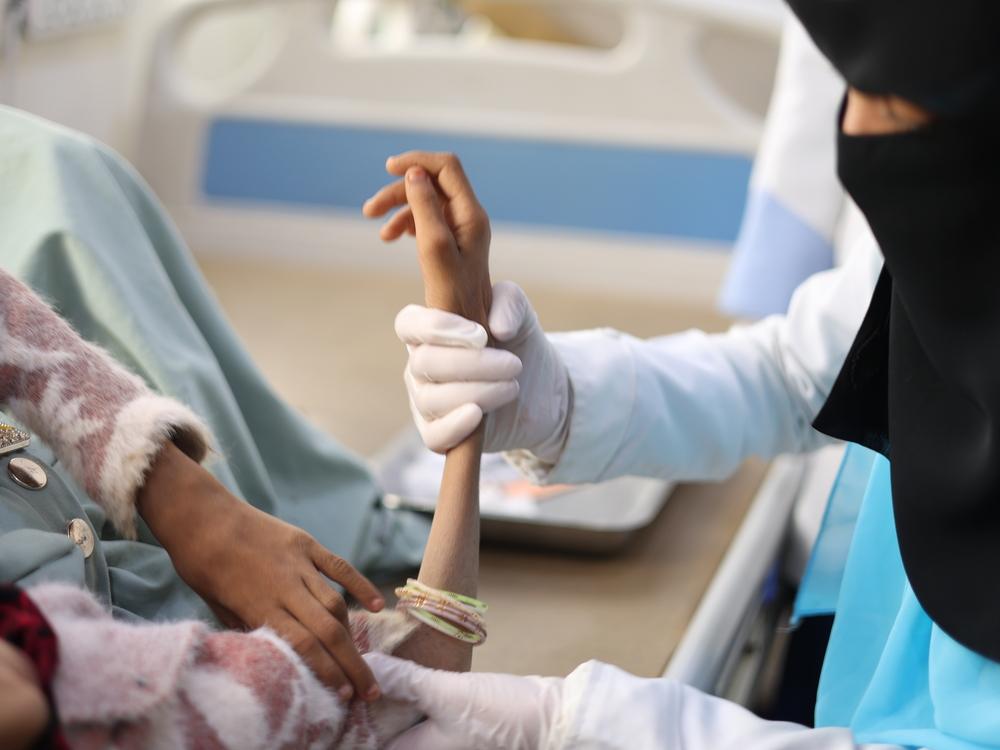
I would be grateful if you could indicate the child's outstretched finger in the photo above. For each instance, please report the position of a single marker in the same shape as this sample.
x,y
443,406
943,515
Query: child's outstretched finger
x,y
401,223
444,167
385,200
434,237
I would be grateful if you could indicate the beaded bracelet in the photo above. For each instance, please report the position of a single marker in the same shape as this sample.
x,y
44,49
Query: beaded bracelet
x,y
455,615
474,604
442,626
458,619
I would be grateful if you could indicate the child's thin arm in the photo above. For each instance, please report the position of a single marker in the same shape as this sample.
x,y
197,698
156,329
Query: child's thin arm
x,y
453,244
451,560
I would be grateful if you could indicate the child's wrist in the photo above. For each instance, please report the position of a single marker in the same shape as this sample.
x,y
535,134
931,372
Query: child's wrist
x,y
181,501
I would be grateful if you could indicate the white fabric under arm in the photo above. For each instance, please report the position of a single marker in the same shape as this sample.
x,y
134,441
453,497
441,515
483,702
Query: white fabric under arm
x,y
693,406
606,708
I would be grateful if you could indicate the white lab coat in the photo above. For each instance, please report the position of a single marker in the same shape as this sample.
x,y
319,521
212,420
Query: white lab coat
x,y
604,708
694,406
795,205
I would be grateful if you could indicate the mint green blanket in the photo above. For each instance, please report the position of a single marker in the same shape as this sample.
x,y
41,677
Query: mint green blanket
x,y
79,226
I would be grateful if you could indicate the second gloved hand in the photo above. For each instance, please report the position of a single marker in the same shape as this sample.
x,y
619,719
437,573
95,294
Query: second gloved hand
x,y
472,710
454,378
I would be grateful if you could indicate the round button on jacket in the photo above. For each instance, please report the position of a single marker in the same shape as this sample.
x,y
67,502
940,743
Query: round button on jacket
x,y
27,473
82,535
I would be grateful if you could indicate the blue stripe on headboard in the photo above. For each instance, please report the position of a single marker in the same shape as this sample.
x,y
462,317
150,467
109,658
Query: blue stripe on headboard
x,y
676,193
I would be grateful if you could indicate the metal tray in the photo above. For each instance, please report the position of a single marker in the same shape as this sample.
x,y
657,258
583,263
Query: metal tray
x,y
596,518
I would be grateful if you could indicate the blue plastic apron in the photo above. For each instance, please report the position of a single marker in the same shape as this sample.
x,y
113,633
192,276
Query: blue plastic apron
x,y
891,674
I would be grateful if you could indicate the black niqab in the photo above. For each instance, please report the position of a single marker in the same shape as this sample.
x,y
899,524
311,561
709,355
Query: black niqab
x,y
921,383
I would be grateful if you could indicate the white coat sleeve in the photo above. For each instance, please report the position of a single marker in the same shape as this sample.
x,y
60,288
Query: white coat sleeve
x,y
606,708
693,406
794,202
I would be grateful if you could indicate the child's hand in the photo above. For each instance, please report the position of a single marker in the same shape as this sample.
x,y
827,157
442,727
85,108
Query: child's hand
x,y
24,712
440,208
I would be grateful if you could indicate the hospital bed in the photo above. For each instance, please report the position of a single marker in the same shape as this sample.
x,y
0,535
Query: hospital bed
x,y
730,641
722,637
604,165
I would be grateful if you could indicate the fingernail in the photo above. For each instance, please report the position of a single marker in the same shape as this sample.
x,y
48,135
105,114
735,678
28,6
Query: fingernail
x,y
416,175
346,693
378,602
373,693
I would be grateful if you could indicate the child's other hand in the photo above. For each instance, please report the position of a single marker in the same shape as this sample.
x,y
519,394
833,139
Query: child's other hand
x,y
24,711
439,207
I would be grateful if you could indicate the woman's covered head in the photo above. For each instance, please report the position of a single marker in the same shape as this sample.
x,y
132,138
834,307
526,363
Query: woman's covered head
x,y
943,55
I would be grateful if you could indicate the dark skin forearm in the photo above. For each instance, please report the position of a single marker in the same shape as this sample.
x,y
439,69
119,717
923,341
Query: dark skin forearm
x,y
162,501
254,569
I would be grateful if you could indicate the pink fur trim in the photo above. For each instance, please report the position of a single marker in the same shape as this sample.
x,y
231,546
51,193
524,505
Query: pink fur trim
x,y
141,428
100,419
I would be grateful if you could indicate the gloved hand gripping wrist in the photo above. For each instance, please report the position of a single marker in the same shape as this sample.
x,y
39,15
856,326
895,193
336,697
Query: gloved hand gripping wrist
x,y
453,378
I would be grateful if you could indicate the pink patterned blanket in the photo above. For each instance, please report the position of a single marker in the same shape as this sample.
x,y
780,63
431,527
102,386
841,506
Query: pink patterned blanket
x,y
182,686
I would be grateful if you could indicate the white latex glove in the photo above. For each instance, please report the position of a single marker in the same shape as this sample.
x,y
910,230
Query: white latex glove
x,y
472,710
453,378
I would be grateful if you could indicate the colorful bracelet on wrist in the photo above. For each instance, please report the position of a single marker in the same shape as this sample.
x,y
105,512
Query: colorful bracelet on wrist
x,y
455,615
